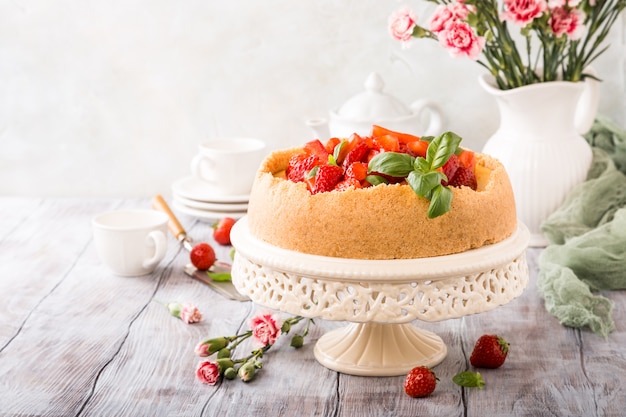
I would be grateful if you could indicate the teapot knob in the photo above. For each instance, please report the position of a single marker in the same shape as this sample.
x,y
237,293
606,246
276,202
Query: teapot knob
x,y
374,83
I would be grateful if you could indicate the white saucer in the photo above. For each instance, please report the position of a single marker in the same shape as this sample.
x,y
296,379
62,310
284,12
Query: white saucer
x,y
195,189
207,214
210,206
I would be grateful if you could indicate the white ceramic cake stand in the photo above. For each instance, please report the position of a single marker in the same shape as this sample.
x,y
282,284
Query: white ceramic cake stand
x,y
379,298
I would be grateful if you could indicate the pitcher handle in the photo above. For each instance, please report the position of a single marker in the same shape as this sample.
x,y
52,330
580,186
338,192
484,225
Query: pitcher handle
x,y
435,120
588,103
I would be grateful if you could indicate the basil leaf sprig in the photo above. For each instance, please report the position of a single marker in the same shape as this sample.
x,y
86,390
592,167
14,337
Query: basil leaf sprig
x,y
421,173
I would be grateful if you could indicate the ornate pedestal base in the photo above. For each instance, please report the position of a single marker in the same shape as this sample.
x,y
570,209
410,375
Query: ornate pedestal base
x,y
380,298
377,349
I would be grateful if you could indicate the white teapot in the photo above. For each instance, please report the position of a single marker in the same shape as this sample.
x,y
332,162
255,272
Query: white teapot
x,y
374,107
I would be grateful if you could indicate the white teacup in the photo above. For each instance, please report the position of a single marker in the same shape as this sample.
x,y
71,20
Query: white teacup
x,y
228,166
131,242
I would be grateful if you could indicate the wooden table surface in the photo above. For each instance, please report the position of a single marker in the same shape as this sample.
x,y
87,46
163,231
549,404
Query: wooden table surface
x,y
76,340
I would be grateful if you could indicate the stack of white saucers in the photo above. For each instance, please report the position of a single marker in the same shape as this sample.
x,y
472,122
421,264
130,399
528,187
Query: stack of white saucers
x,y
196,198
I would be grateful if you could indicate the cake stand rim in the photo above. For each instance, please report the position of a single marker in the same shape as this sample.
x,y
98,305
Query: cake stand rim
x,y
394,270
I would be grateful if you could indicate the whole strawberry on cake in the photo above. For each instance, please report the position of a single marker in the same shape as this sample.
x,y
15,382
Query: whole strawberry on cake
x,y
390,195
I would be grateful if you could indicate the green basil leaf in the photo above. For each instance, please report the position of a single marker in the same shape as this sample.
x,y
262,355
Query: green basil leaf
x,y
376,180
427,138
219,277
441,148
422,183
391,163
338,149
469,379
440,201
421,165
312,173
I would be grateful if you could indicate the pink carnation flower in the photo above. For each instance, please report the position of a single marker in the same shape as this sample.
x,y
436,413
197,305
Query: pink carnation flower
x,y
265,328
189,313
569,22
401,24
461,40
208,372
447,13
522,12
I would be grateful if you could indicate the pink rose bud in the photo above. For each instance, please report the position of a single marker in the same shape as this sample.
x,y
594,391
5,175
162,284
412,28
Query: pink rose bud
x,y
210,346
208,373
246,371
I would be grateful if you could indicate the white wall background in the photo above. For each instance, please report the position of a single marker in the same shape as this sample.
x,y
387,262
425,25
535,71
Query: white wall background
x,y
111,98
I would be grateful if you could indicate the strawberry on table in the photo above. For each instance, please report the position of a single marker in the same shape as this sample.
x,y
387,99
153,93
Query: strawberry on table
x,y
221,230
202,256
420,382
490,351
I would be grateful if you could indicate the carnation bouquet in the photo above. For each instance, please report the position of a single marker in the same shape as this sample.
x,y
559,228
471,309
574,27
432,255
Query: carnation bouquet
x,y
554,39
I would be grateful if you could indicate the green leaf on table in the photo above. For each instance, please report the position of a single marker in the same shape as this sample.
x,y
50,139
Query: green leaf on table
x,y
469,379
219,276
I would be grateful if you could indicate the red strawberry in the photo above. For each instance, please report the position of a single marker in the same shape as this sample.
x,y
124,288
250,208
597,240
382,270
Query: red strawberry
x,y
347,183
202,256
464,176
331,143
221,230
326,178
489,352
467,158
388,143
450,168
357,170
417,148
356,154
300,165
316,147
420,382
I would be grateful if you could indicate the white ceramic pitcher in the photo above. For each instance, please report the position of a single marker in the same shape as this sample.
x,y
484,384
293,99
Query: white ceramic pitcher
x,y
540,143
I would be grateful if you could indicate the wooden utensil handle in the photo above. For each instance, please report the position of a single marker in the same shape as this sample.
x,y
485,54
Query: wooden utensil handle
x,y
159,203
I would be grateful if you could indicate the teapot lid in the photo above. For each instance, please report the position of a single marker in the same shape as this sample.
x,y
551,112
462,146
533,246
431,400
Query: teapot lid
x,y
373,104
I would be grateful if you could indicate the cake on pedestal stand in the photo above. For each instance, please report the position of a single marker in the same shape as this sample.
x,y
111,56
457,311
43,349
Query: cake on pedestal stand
x,y
379,298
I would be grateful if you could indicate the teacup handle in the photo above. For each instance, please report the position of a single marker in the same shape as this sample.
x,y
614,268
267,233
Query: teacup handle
x,y
156,238
195,167
588,103
435,121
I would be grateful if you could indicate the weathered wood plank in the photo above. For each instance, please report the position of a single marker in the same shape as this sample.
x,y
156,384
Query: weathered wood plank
x,y
77,340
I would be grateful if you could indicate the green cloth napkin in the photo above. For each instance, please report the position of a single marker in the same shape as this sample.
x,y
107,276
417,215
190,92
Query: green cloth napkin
x,y
588,238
